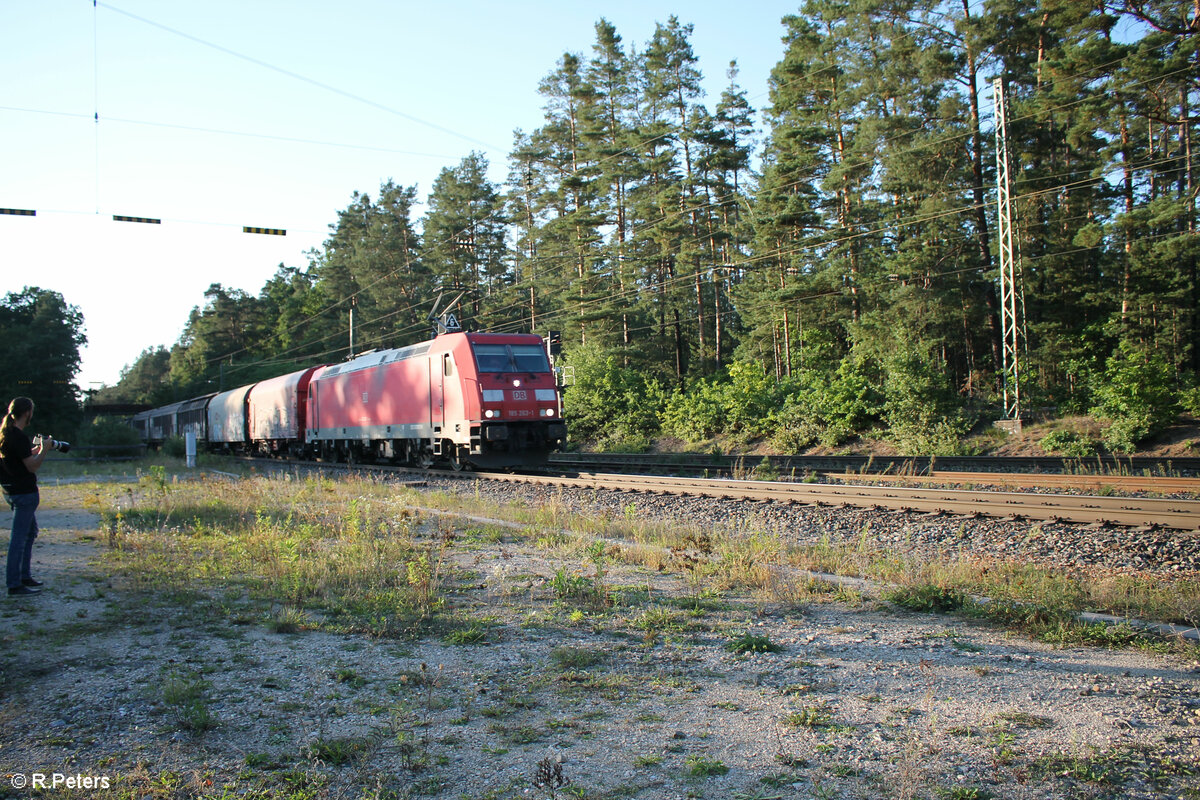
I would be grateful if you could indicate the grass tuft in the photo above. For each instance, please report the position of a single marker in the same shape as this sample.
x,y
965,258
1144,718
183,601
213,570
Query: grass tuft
x,y
753,643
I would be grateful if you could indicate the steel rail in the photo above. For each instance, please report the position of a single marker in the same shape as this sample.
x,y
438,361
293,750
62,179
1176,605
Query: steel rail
x,y
1145,512
908,465
1125,483
1125,511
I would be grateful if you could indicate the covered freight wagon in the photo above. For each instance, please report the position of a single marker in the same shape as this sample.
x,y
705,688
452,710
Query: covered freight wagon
x,y
227,419
277,413
192,417
161,424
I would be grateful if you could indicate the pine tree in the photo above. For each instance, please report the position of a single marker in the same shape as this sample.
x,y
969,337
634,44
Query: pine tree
x,y
463,238
573,210
611,143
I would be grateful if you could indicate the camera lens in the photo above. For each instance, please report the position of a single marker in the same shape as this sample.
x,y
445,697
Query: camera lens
x,y
64,447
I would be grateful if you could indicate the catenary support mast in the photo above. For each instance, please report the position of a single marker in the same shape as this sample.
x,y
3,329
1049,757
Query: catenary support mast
x,y
1012,301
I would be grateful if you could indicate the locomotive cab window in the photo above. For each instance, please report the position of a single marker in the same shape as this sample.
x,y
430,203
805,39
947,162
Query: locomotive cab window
x,y
511,358
447,365
530,358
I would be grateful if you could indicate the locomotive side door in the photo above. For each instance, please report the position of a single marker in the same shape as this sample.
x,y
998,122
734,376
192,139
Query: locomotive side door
x,y
437,391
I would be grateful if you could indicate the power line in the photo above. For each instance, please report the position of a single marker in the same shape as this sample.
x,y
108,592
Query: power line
x,y
227,132
637,230
304,79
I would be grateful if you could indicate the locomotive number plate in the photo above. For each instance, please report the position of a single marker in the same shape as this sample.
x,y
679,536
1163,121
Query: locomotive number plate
x,y
520,394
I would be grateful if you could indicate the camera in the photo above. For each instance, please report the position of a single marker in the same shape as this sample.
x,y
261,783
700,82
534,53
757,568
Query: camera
x,y
62,447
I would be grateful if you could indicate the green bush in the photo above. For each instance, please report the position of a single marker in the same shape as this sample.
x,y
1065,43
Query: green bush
x,y
175,447
698,414
1068,443
829,408
743,403
1189,401
923,413
927,598
110,433
615,407
1137,395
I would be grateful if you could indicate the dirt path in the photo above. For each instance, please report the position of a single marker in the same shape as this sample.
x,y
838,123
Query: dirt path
x,y
164,696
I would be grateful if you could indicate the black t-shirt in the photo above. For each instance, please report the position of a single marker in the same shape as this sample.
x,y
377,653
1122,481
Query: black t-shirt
x,y
14,476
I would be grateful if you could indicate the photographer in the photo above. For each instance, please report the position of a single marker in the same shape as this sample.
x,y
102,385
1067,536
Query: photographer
x,y
20,459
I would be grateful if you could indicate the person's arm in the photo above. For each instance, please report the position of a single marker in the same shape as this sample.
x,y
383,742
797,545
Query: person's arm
x,y
33,462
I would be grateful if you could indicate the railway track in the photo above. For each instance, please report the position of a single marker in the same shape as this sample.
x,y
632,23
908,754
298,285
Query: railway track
x,y
1137,511
1124,483
1086,509
796,466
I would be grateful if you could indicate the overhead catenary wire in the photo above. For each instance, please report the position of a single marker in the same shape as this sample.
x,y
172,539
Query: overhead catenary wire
x,y
951,212
649,225
288,73
818,240
815,241
259,62
304,78
227,132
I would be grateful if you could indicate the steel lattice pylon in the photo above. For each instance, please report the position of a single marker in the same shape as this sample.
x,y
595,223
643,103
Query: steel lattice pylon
x,y
1012,300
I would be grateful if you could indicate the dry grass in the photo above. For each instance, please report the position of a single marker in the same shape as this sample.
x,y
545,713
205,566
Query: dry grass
x,y
347,549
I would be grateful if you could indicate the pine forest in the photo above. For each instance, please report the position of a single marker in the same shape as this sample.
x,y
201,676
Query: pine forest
x,y
804,273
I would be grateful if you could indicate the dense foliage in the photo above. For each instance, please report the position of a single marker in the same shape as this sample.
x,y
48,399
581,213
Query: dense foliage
x,y
42,335
846,283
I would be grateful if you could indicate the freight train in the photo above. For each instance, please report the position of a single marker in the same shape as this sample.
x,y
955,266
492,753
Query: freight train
x,y
460,399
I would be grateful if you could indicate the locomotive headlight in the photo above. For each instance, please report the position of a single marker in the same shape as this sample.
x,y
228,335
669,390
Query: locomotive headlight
x,y
516,382
489,413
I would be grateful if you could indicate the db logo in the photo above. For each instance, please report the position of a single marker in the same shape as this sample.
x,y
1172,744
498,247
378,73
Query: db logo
x,y
520,394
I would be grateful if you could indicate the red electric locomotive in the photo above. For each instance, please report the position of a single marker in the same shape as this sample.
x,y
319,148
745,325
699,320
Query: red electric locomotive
x,y
483,399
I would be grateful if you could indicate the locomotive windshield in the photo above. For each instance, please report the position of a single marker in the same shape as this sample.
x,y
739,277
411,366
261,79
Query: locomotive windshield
x,y
511,358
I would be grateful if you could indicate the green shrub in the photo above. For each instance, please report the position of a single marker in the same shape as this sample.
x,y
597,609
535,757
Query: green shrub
x,y
615,407
923,413
697,414
751,398
1068,443
111,433
175,447
1189,401
927,597
829,408
743,403
1137,395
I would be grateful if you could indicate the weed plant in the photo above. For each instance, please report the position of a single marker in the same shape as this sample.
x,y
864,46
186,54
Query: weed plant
x,y
752,643
185,700
1028,595
304,552
699,766
346,555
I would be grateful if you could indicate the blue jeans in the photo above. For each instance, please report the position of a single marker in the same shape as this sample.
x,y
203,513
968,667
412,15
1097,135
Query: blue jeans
x,y
24,531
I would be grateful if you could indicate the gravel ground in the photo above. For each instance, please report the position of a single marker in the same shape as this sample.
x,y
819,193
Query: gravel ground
x,y
641,697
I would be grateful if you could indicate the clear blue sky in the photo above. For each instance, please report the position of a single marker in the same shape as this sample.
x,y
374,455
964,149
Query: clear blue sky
x,y
200,127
